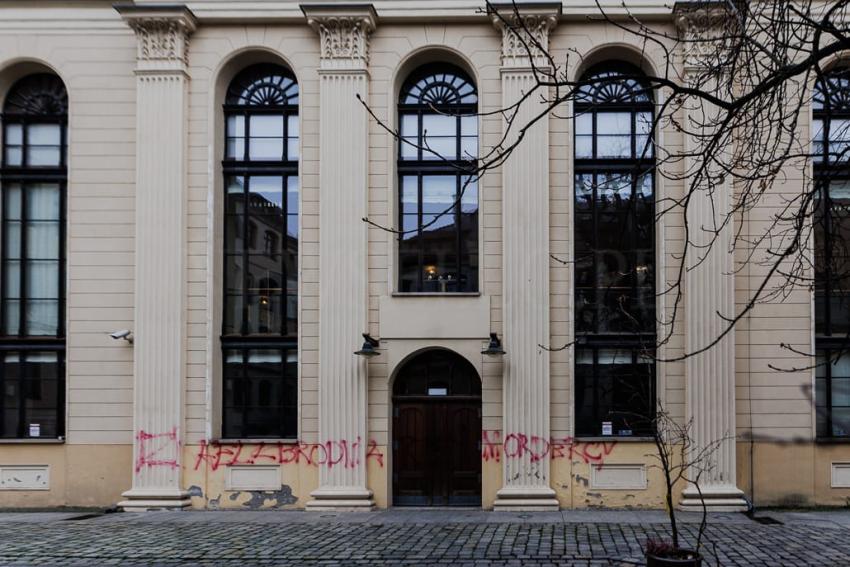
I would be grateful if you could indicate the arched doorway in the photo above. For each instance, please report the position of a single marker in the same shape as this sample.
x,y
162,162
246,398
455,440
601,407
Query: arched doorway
x,y
437,431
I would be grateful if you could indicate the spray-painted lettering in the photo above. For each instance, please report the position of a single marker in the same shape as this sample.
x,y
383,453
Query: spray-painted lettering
x,y
343,453
535,448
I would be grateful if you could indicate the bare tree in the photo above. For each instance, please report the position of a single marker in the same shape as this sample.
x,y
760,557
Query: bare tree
x,y
737,80
681,462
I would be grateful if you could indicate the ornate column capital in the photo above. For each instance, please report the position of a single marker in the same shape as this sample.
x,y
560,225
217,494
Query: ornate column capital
x,y
344,31
162,34
525,31
702,25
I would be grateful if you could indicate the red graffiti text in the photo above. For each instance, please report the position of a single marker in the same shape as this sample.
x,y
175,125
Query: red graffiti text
x,y
520,446
343,453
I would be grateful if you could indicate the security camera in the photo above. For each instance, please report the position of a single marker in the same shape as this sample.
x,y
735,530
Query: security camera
x,y
125,334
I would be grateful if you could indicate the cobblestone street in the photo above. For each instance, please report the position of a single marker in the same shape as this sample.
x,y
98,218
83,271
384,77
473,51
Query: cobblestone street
x,y
408,537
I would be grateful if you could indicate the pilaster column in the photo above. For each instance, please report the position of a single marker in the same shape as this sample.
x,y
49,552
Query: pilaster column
x,y
343,294
159,335
709,296
525,238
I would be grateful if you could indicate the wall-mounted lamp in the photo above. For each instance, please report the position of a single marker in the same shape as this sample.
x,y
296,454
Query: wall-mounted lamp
x,y
494,347
368,348
125,334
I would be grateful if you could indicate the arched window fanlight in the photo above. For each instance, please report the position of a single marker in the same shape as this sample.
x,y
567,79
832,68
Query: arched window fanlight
x,y
444,85
41,94
604,85
437,372
831,117
263,85
832,92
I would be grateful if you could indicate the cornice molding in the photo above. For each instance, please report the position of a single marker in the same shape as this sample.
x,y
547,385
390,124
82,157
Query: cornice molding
x,y
344,31
162,35
525,32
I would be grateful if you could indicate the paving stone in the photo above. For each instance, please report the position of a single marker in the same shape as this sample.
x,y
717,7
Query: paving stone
x,y
439,538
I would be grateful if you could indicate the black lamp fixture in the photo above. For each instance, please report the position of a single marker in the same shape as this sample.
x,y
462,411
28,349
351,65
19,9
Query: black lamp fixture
x,y
494,348
368,348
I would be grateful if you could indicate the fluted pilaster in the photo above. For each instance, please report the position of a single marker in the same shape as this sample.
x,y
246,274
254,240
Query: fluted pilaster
x,y
525,237
709,299
343,294
159,334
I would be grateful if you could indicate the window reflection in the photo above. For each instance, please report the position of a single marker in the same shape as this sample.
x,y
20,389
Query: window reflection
x,y
261,254
832,393
32,183
614,254
831,142
438,203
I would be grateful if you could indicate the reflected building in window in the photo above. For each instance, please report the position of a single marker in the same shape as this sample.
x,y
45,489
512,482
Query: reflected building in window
x,y
830,144
614,253
438,184
260,321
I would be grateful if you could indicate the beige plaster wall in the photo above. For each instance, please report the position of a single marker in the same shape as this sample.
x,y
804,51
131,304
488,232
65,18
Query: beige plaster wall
x,y
81,475
216,54
95,58
788,473
93,51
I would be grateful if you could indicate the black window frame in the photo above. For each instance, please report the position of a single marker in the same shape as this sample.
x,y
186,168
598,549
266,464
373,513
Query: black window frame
x,y
37,98
465,172
277,98
831,101
595,97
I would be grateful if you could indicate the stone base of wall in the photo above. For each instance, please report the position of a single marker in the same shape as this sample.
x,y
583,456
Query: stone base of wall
x,y
793,474
77,475
609,474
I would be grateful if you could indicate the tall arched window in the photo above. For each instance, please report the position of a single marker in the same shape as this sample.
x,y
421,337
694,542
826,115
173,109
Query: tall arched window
x,y
831,144
260,322
614,253
33,180
438,193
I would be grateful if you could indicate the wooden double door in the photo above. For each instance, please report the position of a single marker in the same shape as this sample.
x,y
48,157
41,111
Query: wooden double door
x,y
437,452
437,431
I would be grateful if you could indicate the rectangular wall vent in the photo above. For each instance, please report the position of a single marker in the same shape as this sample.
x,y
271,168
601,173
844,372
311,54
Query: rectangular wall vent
x,y
618,477
840,475
253,477
24,477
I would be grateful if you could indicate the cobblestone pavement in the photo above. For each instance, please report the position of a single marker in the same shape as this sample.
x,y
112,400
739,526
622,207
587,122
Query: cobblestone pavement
x,y
460,539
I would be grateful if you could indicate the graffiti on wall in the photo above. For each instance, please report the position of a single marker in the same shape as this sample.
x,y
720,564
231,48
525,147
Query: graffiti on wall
x,y
535,448
343,453
161,450
157,449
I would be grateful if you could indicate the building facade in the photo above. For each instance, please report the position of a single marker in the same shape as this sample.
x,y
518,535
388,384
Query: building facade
x,y
199,174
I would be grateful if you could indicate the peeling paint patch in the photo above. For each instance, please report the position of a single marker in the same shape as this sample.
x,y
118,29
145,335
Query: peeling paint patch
x,y
265,498
195,490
